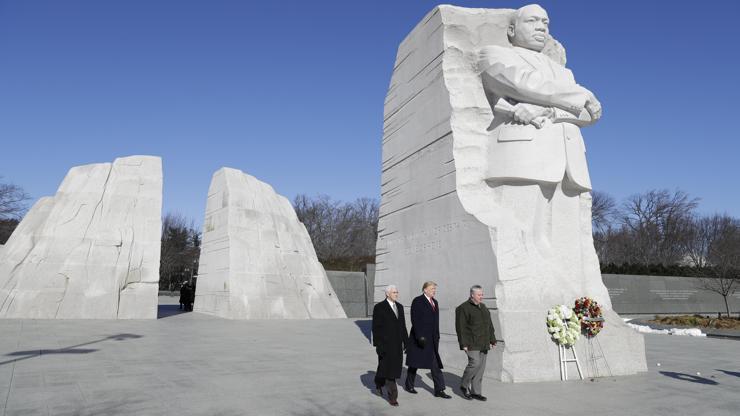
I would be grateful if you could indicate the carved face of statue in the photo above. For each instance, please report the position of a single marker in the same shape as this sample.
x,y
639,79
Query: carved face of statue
x,y
530,28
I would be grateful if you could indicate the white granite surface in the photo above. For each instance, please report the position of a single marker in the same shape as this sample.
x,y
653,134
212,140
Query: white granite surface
x,y
92,250
257,260
463,205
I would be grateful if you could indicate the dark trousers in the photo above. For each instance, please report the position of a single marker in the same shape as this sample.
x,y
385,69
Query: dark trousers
x,y
390,384
437,377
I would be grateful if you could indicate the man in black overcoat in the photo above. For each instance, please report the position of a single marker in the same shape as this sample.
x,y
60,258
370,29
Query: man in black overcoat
x,y
390,339
422,351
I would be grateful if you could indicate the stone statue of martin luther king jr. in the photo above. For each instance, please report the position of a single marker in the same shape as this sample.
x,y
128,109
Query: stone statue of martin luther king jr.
x,y
536,155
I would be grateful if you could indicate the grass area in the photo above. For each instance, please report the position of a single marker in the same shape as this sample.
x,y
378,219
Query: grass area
x,y
698,320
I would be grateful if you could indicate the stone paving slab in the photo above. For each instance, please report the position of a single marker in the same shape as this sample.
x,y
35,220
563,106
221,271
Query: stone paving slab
x,y
193,364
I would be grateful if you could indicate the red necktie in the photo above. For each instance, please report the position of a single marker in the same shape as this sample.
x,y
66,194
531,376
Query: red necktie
x,y
431,300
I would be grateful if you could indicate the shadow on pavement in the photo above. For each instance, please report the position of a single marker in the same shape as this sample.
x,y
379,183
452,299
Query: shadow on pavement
x,y
164,311
368,380
688,377
453,383
729,373
366,326
73,349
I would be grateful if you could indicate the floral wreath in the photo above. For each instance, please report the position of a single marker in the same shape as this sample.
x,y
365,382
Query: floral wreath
x,y
589,313
563,325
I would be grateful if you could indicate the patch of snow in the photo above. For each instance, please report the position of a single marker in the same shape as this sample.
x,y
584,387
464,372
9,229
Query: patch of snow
x,y
692,332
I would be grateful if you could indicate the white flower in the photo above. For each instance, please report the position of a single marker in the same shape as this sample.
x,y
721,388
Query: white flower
x,y
563,325
566,311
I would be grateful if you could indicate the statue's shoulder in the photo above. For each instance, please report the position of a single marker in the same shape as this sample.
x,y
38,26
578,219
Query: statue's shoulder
x,y
491,54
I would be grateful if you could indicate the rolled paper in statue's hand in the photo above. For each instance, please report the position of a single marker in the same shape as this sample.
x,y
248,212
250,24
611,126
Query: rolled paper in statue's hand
x,y
504,107
561,116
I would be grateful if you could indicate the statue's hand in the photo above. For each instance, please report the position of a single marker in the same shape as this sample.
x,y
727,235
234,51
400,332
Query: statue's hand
x,y
593,106
531,114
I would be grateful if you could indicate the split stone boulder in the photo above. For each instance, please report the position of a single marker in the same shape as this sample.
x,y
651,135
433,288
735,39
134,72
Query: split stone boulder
x,y
92,250
257,260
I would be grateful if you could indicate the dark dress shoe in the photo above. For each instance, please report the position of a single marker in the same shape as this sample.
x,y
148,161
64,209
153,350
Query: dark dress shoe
x,y
466,394
442,394
479,397
412,390
379,390
394,403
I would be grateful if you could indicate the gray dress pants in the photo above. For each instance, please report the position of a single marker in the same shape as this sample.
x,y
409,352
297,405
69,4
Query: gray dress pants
x,y
473,374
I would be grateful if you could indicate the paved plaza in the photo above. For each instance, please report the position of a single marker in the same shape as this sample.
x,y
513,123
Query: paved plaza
x,y
193,364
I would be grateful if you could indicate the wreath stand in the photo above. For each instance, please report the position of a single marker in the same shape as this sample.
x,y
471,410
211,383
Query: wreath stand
x,y
596,354
564,360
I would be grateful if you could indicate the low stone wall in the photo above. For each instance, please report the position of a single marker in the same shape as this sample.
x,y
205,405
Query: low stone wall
x,y
661,295
630,294
354,290
649,295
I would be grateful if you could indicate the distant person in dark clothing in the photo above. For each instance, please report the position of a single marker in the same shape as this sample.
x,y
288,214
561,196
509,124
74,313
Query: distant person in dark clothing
x,y
183,291
187,296
390,338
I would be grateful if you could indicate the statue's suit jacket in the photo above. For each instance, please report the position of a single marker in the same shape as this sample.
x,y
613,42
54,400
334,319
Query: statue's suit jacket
x,y
520,151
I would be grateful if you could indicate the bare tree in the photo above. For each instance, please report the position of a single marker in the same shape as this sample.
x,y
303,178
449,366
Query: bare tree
x,y
703,232
603,211
179,252
13,201
13,205
319,216
603,214
343,234
719,238
364,235
659,223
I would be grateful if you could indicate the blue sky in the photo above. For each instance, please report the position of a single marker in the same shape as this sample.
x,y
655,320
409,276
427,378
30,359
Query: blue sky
x,y
292,92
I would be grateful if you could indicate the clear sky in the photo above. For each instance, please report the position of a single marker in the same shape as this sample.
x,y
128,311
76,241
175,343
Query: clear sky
x,y
292,91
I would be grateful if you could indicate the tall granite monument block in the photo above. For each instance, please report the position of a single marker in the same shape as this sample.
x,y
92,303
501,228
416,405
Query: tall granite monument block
x,y
92,250
484,181
257,260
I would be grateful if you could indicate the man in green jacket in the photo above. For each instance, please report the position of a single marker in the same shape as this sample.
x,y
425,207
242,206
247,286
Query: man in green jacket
x,y
476,336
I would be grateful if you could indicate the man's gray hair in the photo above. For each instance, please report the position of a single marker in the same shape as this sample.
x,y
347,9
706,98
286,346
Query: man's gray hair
x,y
474,288
389,289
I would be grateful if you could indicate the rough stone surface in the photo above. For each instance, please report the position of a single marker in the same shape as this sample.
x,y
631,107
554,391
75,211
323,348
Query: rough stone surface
x,y
91,251
257,260
440,218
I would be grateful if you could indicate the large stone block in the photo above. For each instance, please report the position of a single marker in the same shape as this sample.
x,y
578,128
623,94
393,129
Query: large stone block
x,y
257,260
91,251
448,213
